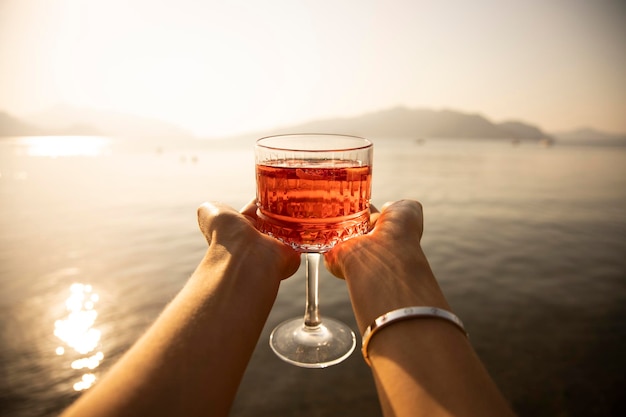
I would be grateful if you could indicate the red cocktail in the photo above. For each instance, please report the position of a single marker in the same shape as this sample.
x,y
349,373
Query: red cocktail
x,y
311,205
313,191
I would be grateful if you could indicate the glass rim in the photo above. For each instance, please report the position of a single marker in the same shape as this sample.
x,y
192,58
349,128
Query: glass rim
x,y
366,142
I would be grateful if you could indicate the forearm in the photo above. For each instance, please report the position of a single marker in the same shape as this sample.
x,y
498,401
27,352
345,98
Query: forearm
x,y
191,360
421,366
376,282
427,367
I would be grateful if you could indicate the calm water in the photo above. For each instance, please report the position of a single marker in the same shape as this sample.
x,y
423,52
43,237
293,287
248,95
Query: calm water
x,y
527,242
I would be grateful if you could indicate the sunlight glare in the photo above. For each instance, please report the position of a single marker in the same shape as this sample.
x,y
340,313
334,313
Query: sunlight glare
x,y
85,383
77,331
64,146
91,362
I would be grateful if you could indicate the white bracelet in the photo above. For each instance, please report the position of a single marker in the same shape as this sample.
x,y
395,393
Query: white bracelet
x,y
403,314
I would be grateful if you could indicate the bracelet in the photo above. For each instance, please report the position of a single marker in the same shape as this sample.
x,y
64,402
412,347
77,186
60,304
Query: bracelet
x,y
403,314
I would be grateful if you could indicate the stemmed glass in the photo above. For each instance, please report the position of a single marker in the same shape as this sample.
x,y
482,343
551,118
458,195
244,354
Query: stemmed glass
x,y
313,191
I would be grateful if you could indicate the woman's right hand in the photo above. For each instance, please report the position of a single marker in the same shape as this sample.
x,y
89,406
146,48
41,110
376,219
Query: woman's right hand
x,y
386,269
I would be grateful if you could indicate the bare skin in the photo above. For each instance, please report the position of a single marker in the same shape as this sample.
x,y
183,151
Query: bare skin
x,y
191,360
422,367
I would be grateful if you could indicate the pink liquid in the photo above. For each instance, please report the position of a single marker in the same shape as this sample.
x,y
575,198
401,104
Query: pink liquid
x,y
312,205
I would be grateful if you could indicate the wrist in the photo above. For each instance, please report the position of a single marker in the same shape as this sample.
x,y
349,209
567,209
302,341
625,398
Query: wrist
x,y
234,268
378,287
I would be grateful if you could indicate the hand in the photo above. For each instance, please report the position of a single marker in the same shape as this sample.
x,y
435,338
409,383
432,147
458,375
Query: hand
x,y
191,360
227,229
386,268
420,366
394,233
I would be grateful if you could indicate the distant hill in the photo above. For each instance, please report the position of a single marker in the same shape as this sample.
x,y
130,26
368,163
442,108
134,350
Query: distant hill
x,y
11,126
105,122
588,136
519,130
65,120
398,122
402,122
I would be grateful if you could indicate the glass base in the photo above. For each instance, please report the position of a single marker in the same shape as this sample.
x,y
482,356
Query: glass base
x,y
312,347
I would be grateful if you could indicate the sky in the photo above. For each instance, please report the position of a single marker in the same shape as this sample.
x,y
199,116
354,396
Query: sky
x,y
226,67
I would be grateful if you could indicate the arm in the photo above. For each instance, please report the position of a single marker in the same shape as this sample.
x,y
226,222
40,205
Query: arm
x,y
191,360
422,367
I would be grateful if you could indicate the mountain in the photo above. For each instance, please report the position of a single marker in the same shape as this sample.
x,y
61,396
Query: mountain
x,y
11,126
589,136
66,120
398,122
519,130
63,119
402,122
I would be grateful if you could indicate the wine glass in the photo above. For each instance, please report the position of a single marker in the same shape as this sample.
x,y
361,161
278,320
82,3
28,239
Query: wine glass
x,y
313,191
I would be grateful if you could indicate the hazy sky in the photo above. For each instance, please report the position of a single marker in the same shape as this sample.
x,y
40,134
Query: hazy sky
x,y
222,67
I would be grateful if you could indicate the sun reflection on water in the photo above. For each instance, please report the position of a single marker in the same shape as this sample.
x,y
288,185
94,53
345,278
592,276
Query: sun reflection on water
x,y
78,333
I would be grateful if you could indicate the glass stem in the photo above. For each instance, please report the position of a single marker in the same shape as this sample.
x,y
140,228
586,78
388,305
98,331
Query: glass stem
x,y
311,314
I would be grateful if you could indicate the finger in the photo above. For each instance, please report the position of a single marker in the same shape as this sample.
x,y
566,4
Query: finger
x,y
373,217
376,213
409,213
249,211
404,205
206,212
386,205
332,263
210,211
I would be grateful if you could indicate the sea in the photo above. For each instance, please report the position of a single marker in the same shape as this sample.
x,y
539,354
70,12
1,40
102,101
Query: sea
x,y
527,239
